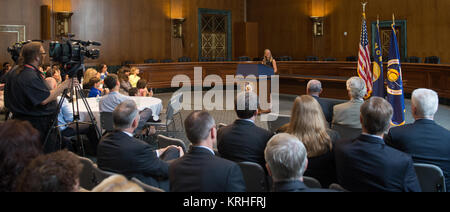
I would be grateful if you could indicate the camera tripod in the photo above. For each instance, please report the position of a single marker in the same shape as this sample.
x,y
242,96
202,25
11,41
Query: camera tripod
x,y
79,95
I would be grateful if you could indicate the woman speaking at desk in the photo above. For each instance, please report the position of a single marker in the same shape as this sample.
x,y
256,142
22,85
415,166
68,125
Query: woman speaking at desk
x,y
269,61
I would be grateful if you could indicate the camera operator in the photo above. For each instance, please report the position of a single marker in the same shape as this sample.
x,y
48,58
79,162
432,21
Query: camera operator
x,y
28,97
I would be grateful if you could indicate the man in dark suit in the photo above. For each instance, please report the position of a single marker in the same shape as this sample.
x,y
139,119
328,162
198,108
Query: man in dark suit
x,y
287,161
243,141
314,89
200,170
367,164
119,152
425,141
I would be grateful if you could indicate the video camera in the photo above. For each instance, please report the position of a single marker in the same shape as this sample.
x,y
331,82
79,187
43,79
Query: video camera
x,y
71,53
15,49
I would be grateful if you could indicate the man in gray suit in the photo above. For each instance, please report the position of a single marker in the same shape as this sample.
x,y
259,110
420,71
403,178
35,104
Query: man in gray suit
x,y
348,114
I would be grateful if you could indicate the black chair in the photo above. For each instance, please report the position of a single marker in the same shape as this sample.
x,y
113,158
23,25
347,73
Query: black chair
x,y
433,60
150,61
167,61
338,187
431,177
164,142
312,58
147,188
244,58
184,60
204,59
311,182
346,133
106,121
127,63
414,60
352,59
254,177
101,175
279,122
330,59
87,176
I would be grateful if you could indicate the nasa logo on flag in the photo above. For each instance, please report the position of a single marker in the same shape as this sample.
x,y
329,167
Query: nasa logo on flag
x,y
376,72
393,75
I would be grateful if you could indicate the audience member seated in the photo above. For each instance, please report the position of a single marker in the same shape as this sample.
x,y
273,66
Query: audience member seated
x,y
54,73
424,140
314,89
124,80
117,183
109,102
347,114
5,70
134,77
103,70
55,172
96,91
143,89
367,164
19,144
88,75
308,124
287,161
133,92
200,170
243,141
119,152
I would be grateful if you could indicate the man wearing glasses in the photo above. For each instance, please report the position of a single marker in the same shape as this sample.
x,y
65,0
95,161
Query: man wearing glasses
x,y
28,97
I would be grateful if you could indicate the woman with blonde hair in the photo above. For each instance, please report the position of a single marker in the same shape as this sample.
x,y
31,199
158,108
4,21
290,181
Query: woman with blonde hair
x,y
134,78
309,125
269,61
117,183
88,75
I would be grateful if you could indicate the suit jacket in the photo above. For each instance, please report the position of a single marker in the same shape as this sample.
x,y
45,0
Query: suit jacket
x,y
201,171
243,141
367,164
426,142
120,153
327,108
295,186
347,114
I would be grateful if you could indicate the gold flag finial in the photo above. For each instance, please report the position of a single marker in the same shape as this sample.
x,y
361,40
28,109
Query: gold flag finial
x,y
364,8
393,18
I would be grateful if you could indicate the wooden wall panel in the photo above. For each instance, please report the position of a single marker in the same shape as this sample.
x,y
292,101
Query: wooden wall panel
x,y
132,30
20,12
286,28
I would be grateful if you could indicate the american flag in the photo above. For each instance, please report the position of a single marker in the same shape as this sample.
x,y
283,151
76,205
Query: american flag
x,y
364,62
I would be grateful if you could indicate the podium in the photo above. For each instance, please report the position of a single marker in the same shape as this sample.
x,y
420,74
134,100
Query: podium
x,y
256,70
257,78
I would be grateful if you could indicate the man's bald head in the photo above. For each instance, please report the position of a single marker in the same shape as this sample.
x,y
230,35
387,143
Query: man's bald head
x,y
314,87
51,83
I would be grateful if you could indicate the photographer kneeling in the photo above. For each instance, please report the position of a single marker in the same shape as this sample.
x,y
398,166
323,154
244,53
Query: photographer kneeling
x,y
28,97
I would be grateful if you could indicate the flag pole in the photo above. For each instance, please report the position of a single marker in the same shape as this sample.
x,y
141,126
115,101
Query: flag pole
x,y
393,18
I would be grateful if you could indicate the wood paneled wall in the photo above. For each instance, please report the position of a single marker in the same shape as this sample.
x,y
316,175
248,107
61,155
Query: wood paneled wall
x,y
132,30
19,12
285,26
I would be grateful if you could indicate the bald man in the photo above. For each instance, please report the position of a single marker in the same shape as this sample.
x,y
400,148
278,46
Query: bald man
x,y
314,89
